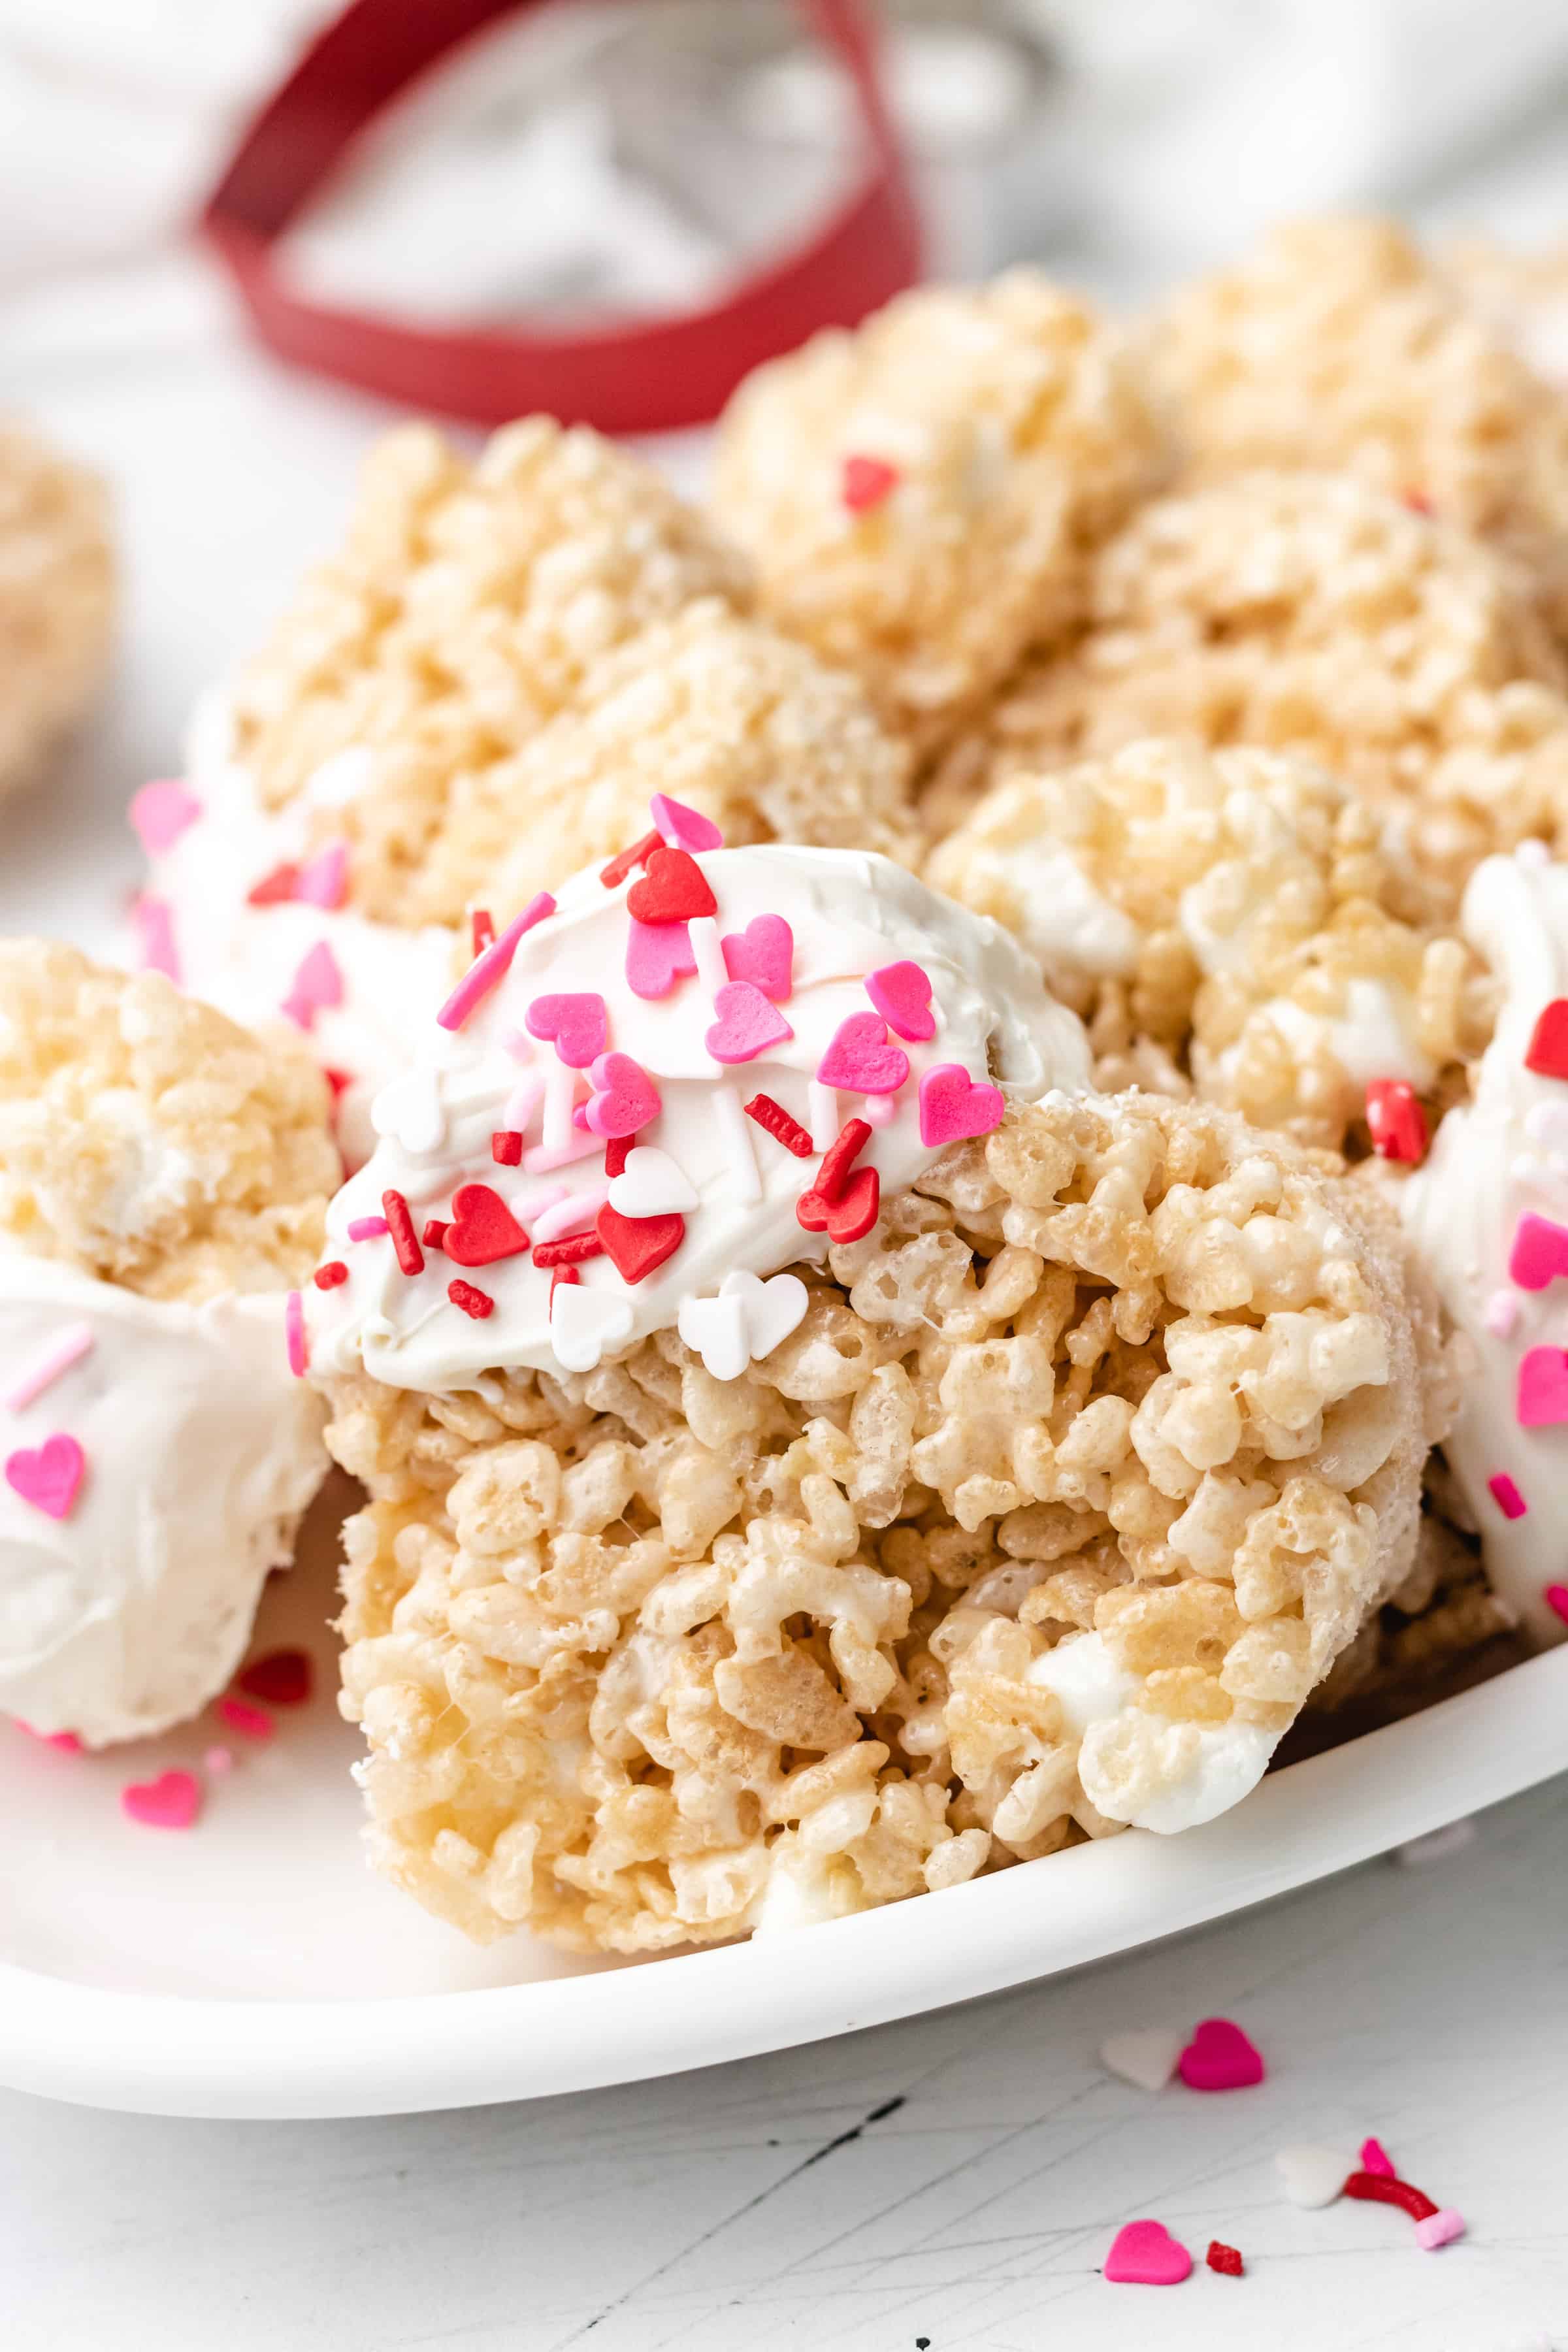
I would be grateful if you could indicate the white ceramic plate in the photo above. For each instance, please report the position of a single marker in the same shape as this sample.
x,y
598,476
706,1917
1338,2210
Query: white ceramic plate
x,y
253,1969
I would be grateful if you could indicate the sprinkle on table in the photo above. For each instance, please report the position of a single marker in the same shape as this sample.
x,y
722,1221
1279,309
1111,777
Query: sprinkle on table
x,y
1224,2259
282,1677
251,1722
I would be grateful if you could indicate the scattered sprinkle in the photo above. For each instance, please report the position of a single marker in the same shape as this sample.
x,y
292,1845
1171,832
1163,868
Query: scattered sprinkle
x,y
404,1240
775,1120
747,1023
1506,1495
331,1275
1501,1315
1542,1397
1374,2158
274,889
840,1157
156,952
672,890
570,1214
1547,1053
483,1229
613,875
171,1801
1224,2259
474,1302
1144,2253
367,1229
217,1762
294,1335
862,1058
865,482
506,1148
640,1246
680,827
481,930
577,1025
1539,1252
1383,2188
325,879
73,1343
282,1677
1395,1120
1311,2175
1439,2229
1147,2058
568,1249
902,994
954,1107
488,970
317,986
250,1722
159,812
1556,1597
435,1233
1219,2057
762,953
66,1741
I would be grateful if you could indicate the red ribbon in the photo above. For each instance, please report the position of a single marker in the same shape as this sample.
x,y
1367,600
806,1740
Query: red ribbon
x,y
650,377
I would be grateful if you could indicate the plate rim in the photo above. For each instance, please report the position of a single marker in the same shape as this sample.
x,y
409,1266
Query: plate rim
x,y
248,2059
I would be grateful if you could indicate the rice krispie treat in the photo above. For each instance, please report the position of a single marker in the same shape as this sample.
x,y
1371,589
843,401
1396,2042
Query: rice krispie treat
x,y
919,495
57,598
1315,615
781,1511
162,1184
1524,295
1227,918
465,704
1487,1216
1338,343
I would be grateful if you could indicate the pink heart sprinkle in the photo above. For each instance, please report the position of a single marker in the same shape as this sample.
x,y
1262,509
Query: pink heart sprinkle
x,y
1219,2057
1542,1393
747,1023
159,812
1509,1500
1144,2253
49,1477
623,1097
316,987
762,953
658,955
250,1722
680,827
902,994
323,880
1556,1599
66,1741
953,1106
577,1026
1439,2229
861,1060
171,1801
1374,2158
1540,1252
155,948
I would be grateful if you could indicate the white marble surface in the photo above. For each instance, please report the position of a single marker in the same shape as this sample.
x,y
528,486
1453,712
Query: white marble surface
x,y
957,2178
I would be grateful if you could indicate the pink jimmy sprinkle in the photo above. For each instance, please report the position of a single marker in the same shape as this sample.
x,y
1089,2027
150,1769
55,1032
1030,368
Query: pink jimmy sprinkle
x,y
155,948
316,987
323,880
680,827
489,970
542,1157
1501,1315
251,1722
159,812
570,1216
1508,1499
73,1344
1556,1599
367,1229
294,1335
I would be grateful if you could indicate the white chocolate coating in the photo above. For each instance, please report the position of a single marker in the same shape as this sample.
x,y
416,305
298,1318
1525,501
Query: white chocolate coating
x,y
243,958
1494,1159
127,1614
850,912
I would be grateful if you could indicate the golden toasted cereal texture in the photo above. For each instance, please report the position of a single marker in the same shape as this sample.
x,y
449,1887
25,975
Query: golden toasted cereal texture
x,y
645,1658
720,711
1227,918
462,613
1524,295
1019,436
57,597
1314,615
147,1141
1444,1625
1338,343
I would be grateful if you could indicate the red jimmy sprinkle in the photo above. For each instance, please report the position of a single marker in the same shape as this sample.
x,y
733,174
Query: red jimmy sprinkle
x,y
328,1277
404,1240
637,855
476,1303
774,1117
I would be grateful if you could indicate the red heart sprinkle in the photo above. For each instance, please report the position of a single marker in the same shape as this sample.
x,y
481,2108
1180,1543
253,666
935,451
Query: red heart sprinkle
x,y
283,1677
852,1215
482,1228
672,890
274,889
1548,1050
865,482
639,1247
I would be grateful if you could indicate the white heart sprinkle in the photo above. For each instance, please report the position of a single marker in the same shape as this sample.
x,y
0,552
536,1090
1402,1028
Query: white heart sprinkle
x,y
1313,2176
651,1185
584,1323
409,1113
1147,2059
716,1329
773,1307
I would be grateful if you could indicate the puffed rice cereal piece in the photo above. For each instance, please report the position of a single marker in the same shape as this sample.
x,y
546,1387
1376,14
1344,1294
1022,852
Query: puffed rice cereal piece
x,y
57,598
1523,295
919,495
1226,917
1313,614
163,1182
1081,1468
1338,343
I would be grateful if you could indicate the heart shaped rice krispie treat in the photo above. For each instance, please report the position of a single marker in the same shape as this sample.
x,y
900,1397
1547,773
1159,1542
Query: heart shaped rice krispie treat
x,y
1338,343
465,704
919,497
57,598
1315,615
163,1178
1227,920
780,1516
